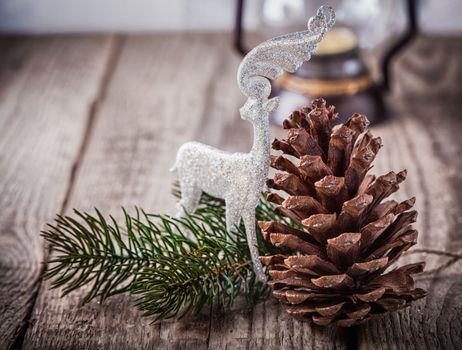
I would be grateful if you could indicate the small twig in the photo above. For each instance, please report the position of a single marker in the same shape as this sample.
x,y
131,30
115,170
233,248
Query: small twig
x,y
454,258
457,255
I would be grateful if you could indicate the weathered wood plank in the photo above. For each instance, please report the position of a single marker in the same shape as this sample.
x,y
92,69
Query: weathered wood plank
x,y
47,86
165,90
428,145
268,326
161,88
425,139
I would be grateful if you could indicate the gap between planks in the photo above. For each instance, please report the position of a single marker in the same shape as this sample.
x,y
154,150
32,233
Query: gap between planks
x,y
131,52
116,46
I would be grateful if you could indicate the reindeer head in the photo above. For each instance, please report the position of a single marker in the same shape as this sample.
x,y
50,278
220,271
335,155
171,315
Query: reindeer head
x,y
256,110
270,59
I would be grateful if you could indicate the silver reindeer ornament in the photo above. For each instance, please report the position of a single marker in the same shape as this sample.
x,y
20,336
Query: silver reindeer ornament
x,y
239,178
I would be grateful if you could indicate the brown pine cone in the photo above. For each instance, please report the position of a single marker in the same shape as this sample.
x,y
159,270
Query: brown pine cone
x,y
343,235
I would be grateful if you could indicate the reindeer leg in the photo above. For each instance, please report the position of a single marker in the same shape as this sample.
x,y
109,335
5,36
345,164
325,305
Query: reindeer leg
x,y
190,196
233,217
249,222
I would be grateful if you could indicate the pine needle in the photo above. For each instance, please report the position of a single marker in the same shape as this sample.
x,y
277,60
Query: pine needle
x,y
172,266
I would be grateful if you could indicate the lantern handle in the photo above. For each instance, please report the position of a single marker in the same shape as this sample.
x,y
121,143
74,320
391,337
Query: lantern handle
x,y
238,41
409,35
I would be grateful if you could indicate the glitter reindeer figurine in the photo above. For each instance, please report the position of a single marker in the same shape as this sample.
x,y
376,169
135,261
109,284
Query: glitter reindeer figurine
x,y
239,178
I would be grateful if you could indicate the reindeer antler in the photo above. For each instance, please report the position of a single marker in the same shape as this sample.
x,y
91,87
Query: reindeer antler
x,y
270,59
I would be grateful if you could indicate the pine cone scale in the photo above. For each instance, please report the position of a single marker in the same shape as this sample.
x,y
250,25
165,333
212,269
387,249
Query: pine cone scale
x,y
344,249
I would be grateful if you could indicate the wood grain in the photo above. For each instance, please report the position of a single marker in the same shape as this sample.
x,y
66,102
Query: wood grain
x,y
157,99
425,138
268,326
429,146
47,86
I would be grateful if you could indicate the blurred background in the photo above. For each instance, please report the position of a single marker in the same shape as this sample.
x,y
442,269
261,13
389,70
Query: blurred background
x,y
45,16
352,67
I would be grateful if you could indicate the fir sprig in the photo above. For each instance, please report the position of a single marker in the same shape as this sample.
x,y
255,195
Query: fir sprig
x,y
172,265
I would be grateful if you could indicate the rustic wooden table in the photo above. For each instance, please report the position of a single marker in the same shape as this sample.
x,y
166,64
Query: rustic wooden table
x,y
96,121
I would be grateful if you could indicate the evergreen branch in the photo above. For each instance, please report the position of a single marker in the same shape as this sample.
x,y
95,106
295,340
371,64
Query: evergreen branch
x,y
172,265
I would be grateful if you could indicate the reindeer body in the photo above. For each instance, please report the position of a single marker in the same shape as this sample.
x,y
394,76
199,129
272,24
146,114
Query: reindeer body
x,y
217,181
239,178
